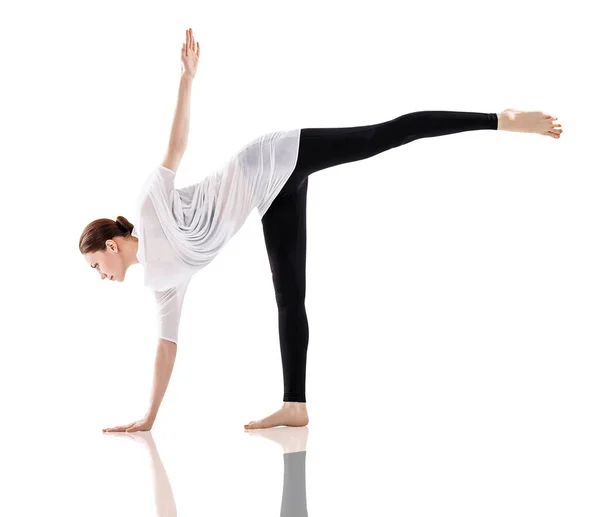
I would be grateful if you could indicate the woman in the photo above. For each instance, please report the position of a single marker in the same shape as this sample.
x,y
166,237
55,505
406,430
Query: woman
x,y
177,232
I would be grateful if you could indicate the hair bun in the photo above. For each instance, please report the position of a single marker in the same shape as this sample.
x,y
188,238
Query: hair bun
x,y
123,224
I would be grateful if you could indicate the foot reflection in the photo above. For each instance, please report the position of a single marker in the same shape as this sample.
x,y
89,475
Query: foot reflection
x,y
293,443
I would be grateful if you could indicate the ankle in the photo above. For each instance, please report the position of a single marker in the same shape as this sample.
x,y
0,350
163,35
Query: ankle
x,y
502,121
294,405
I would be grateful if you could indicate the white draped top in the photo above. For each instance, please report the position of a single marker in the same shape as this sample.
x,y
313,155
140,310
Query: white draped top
x,y
181,230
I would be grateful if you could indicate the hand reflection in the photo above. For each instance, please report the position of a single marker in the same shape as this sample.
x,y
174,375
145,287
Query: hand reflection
x,y
163,493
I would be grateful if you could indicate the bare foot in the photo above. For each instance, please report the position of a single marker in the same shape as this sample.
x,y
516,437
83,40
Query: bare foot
x,y
529,122
293,414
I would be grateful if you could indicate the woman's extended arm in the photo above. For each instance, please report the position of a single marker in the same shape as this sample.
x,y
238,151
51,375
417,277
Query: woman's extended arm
x,y
163,366
181,120
190,53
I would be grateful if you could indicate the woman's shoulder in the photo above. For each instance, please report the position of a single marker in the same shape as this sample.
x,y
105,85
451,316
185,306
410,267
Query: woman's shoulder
x,y
159,179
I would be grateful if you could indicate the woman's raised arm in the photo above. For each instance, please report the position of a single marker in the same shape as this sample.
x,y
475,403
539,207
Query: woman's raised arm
x,y
190,54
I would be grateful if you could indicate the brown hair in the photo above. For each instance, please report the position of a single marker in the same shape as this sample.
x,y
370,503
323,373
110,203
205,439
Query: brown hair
x,y
94,236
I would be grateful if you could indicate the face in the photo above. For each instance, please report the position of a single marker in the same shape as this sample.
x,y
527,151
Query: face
x,y
108,262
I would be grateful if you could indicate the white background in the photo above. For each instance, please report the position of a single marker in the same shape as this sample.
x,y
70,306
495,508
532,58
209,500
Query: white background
x,y
453,287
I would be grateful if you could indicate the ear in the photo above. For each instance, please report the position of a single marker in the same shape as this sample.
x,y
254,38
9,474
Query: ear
x,y
111,245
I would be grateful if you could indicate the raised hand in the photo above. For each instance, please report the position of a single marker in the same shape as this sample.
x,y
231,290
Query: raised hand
x,y
190,54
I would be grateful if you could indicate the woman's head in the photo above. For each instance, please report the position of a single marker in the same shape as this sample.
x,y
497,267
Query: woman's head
x,y
109,248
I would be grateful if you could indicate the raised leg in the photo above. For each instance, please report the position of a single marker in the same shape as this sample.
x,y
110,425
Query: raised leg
x,y
321,148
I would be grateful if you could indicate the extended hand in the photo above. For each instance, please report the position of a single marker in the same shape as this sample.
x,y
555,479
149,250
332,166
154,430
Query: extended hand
x,y
190,54
145,424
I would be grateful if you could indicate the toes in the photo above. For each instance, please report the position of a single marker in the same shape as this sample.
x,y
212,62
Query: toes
x,y
255,424
555,127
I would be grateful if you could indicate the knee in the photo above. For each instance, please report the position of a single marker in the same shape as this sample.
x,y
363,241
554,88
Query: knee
x,y
290,302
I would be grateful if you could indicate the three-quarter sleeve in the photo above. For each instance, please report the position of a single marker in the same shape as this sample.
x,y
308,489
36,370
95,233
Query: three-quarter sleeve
x,y
168,308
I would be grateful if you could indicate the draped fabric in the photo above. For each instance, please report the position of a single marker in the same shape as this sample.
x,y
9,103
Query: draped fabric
x,y
182,230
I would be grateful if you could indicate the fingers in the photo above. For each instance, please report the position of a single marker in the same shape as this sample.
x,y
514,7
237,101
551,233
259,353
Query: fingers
x,y
138,425
115,429
118,428
190,44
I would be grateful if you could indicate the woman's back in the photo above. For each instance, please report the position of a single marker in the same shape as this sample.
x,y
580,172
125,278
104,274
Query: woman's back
x,y
181,231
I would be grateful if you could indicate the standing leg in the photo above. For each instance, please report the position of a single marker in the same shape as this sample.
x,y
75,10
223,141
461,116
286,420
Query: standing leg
x,y
321,148
284,229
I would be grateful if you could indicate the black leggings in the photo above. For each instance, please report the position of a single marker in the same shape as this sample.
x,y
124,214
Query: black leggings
x,y
284,223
